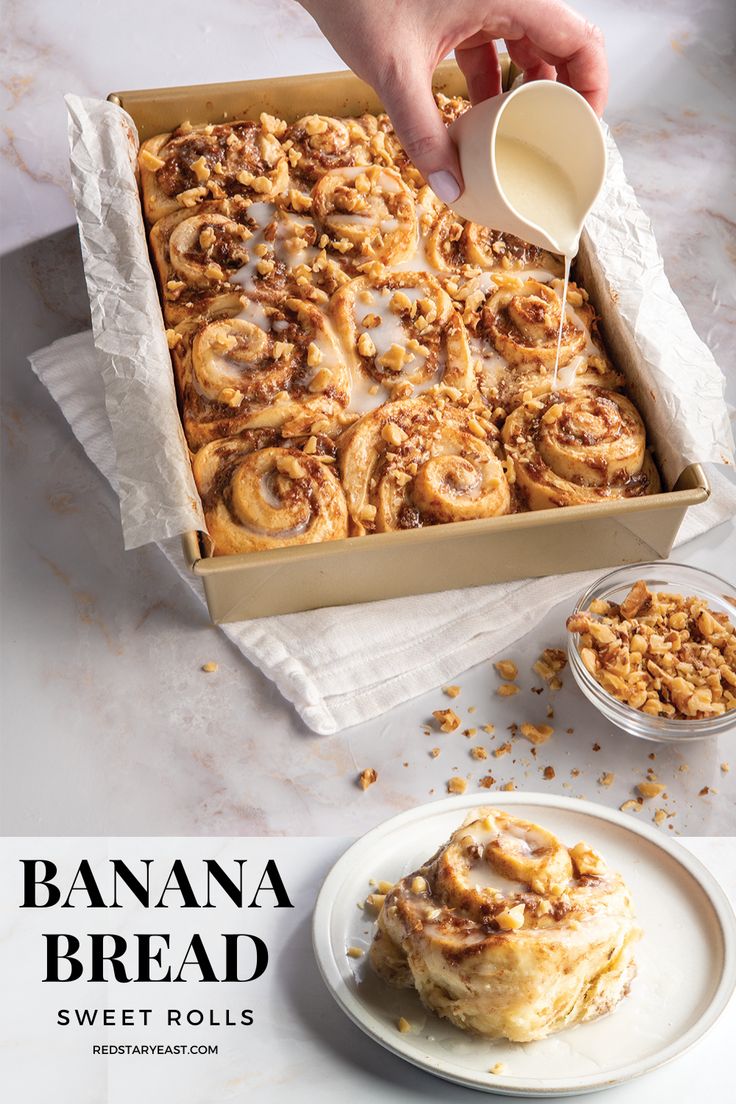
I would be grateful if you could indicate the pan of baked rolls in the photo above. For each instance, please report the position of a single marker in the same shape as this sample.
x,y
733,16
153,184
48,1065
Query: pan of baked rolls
x,y
366,381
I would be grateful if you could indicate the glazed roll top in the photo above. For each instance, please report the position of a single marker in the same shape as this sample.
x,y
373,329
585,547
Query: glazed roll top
x,y
365,214
268,367
508,933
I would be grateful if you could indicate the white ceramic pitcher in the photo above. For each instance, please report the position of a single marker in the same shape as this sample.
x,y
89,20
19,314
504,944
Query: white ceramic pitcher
x,y
555,121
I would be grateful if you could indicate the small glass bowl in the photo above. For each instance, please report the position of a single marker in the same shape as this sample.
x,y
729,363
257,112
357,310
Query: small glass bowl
x,y
674,579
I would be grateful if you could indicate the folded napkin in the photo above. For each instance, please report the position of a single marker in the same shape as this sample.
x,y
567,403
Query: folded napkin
x,y
344,665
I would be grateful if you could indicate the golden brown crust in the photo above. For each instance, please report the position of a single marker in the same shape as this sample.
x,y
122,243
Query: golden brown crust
x,y
575,447
417,462
258,498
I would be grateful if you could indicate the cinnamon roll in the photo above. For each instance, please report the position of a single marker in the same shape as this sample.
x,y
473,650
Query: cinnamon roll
x,y
575,447
509,934
402,332
522,322
268,366
365,215
452,244
273,497
417,462
318,144
199,163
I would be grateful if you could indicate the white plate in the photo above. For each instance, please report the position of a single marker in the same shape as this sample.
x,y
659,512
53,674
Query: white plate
x,y
686,959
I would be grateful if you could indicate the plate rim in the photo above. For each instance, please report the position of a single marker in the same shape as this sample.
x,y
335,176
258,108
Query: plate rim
x,y
505,1085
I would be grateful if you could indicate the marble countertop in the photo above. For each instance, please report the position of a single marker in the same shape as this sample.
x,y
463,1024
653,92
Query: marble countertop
x,y
110,725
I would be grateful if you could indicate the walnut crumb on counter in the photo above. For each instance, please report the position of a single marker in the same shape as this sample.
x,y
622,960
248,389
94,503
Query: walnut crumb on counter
x,y
509,786
447,719
451,691
367,777
650,789
479,753
633,805
486,781
457,785
507,690
548,773
503,749
507,669
208,668
489,728
606,779
434,752
537,734
725,768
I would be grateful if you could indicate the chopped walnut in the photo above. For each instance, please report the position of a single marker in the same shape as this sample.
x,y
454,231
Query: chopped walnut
x,y
457,785
208,668
447,719
663,654
606,779
150,161
549,664
451,691
403,1025
478,753
548,773
355,952
507,689
435,752
537,734
502,749
507,669
498,1068
633,805
367,777
650,789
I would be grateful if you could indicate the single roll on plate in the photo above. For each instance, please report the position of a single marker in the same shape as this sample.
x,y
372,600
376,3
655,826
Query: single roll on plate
x,y
574,447
509,934
260,498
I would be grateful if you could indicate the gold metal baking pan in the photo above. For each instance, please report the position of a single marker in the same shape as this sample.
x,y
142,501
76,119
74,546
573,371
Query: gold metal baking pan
x,y
440,557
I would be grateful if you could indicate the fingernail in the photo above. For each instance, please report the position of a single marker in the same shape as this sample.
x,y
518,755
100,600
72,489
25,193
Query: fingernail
x,y
444,185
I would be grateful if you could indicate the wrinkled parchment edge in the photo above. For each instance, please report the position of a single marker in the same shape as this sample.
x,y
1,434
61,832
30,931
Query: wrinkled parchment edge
x,y
158,496
682,399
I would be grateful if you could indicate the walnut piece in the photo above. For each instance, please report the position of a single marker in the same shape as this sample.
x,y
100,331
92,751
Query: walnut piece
x,y
367,777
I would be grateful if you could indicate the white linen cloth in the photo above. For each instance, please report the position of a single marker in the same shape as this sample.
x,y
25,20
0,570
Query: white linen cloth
x,y
344,665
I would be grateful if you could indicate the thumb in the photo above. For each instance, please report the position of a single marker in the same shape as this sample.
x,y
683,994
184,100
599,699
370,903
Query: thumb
x,y
416,119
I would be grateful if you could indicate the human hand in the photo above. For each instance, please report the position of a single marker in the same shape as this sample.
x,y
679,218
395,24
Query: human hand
x,y
395,46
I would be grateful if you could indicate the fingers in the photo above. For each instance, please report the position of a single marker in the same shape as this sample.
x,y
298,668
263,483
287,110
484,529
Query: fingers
x,y
410,104
482,70
548,32
523,54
